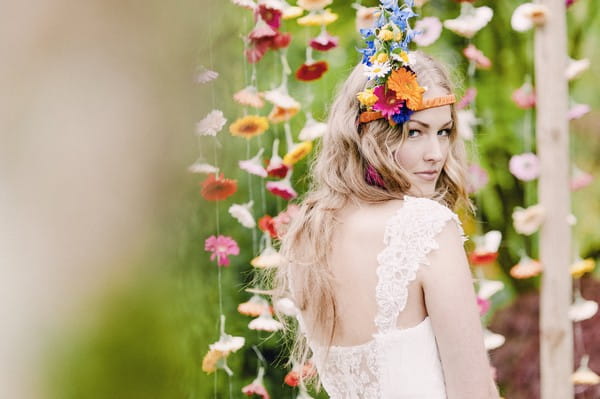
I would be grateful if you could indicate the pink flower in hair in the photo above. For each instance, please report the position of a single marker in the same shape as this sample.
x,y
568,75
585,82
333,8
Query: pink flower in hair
x,y
221,247
388,104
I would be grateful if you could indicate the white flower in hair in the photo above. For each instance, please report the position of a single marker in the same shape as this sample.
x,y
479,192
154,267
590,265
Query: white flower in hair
x,y
211,124
243,215
377,70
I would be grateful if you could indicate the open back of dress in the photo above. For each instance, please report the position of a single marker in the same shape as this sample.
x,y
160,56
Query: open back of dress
x,y
396,363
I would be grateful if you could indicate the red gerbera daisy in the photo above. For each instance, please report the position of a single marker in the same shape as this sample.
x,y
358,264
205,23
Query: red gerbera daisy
x,y
312,71
216,188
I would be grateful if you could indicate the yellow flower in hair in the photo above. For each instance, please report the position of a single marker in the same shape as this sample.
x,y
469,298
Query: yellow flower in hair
x,y
382,58
404,56
398,35
385,35
367,98
300,151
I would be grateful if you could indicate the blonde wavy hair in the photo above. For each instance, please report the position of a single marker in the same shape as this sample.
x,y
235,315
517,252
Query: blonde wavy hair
x,y
338,176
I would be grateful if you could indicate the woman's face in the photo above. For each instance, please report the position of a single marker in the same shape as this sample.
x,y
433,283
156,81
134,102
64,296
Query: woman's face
x,y
424,151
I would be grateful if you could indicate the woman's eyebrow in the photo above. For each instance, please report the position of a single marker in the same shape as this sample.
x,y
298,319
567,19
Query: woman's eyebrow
x,y
427,125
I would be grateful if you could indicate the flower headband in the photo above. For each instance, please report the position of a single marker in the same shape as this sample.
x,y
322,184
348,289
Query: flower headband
x,y
387,60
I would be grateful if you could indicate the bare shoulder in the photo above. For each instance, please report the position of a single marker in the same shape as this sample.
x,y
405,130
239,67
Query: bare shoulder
x,y
367,219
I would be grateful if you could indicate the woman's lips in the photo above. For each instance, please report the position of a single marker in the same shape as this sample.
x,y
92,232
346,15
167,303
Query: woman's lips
x,y
428,175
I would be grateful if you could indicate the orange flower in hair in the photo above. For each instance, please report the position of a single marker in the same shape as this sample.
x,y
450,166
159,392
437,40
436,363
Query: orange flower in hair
x,y
217,188
404,83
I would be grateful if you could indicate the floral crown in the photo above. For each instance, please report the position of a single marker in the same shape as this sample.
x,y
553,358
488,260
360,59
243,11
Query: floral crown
x,y
386,59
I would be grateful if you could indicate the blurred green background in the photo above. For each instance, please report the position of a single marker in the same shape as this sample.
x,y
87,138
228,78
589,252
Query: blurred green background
x,y
140,307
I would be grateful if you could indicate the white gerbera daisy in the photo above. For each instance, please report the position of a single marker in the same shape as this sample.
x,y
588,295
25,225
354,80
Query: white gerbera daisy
x,y
205,75
241,212
312,129
528,15
265,322
280,98
492,340
470,21
211,124
228,344
487,288
582,309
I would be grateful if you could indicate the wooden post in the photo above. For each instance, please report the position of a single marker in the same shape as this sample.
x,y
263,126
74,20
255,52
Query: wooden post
x,y
552,129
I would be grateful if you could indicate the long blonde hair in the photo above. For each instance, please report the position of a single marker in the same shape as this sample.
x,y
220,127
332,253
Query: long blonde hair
x,y
338,176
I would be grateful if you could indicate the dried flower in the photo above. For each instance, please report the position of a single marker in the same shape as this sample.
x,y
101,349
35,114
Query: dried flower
x,y
262,30
318,19
282,188
475,55
253,165
314,5
221,247
283,220
528,221
297,153
366,17
272,16
249,96
582,266
582,309
577,111
257,386
269,258
580,179
211,359
467,98
276,167
310,71
492,340
217,188
525,167
585,375
470,21
528,15
477,178
249,126
202,167
265,322
205,75
526,268
576,68
242,214
297,374
290,12
427,31
312,129
266,225
324,42
487,288
486,248
249,4
211,124
286,306
524,96
254,307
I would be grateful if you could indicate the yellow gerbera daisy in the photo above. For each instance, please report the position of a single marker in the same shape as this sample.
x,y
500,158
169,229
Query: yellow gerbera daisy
x,y
318,19
249,126
404,83
300,151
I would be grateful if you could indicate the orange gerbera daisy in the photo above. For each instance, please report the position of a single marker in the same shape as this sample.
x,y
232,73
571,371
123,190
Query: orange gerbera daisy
x,y
216,188
281,114
249,126
404,83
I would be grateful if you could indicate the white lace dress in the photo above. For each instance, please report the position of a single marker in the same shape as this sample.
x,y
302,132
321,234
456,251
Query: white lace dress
x,y
396,363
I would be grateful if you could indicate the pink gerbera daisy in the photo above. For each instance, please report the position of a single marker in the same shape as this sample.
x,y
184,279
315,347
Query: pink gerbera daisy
x,y
388,104
221,247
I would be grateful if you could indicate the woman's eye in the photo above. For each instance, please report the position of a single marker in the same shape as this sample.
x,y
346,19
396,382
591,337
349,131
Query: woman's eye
x,y
413,133
444,132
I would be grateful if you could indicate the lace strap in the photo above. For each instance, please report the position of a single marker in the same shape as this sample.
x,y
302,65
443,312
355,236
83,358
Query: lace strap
x,y
409,237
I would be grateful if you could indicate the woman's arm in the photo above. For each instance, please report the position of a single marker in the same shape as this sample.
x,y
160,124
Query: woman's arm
x,y
452,307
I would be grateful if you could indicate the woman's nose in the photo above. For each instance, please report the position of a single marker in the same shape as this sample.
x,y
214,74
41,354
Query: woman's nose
x,y
433,152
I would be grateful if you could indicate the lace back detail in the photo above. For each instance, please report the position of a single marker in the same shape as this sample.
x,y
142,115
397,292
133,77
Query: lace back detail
x,y
409,237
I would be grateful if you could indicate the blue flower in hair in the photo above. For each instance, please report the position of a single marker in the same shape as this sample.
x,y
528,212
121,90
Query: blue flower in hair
x,y
367,52
402,116
390,4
